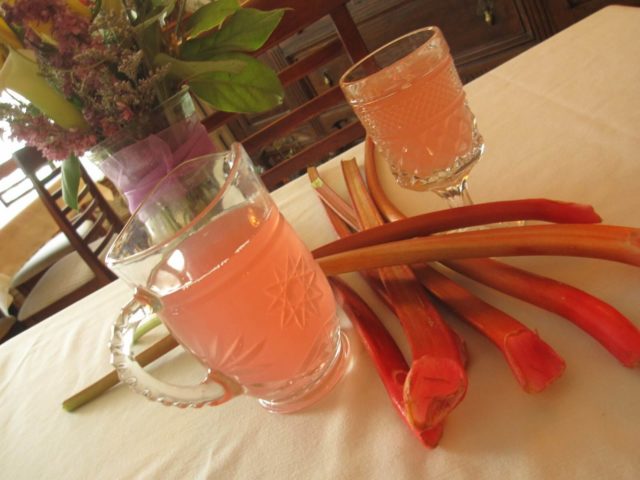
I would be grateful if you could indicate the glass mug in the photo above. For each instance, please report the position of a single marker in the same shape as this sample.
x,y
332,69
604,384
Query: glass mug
x,y
410,100
235,286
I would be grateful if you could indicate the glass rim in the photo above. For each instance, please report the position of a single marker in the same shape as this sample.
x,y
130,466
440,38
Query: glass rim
x,y
235,151
343,82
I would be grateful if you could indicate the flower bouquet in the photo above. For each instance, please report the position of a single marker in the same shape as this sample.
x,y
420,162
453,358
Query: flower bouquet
x,y
98,75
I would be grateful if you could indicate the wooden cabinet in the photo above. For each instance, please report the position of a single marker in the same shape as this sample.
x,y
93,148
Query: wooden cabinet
x,y
482,34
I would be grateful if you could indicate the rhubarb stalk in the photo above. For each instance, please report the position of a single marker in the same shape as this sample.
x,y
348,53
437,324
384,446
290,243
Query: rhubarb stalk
x,y
461,217
155,351
332,200
621,244
533,362
597,318
437,381
387,358
389,362
604,323
373,279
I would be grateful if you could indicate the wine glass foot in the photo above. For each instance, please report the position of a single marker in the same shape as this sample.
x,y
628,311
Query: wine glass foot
x,y
456,195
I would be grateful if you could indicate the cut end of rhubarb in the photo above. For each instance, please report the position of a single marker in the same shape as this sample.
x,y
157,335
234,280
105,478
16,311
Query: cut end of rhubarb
x,y
433,388
534,363
431,437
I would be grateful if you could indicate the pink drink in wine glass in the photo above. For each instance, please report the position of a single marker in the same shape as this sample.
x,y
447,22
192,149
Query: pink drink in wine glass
x,y
410,99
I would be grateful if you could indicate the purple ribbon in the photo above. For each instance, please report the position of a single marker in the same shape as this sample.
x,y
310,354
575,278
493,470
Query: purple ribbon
x,y
137,168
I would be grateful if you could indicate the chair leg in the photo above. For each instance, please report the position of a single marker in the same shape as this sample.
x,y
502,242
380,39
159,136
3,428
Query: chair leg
x,y
15,329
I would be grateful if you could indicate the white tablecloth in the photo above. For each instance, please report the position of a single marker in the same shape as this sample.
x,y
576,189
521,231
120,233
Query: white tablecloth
x,y
560,121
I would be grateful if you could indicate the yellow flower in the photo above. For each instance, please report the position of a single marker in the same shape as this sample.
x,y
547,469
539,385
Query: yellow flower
x,y
7,36
79,7
20,74
45,29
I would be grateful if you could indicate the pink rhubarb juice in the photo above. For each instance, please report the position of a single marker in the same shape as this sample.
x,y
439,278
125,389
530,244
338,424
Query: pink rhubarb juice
x,y
251,302
416,113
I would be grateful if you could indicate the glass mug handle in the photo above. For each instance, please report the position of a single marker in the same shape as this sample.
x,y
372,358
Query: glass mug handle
x,y
214,390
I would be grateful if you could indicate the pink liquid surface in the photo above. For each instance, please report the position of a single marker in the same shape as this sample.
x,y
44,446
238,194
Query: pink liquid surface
x,y
415,111
262,315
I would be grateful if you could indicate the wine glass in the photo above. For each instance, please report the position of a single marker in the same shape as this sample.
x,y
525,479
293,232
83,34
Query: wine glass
x,y
410,99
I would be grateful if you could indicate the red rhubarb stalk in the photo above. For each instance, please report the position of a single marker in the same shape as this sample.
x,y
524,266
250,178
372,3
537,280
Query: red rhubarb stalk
x,y
386,206
331,199
596,241
603,322
436,382
533,362
387,358
389,362
373,279
621,244
462,217
444,220
600,320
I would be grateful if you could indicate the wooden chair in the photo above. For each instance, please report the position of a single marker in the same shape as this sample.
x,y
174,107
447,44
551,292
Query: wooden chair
x,y
12,186
302,14
7,321
82,271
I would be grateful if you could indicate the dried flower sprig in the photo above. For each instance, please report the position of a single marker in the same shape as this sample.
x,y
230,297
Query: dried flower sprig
x,y
108,64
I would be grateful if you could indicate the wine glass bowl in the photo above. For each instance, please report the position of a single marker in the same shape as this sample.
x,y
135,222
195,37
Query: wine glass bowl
x,y
410,100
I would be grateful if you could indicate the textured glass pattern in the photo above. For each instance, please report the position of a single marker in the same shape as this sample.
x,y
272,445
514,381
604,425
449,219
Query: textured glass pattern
x,y
409,97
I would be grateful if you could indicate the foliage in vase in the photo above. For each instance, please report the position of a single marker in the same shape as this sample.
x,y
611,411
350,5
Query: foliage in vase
x,y
82,70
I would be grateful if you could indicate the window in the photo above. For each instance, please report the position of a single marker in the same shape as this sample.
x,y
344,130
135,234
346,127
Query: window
x,y
10,177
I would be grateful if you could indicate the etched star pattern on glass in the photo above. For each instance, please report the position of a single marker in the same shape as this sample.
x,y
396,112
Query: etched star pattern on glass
x,y
295,293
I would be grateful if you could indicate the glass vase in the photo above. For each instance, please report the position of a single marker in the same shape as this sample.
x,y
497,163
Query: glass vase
x,y
137,157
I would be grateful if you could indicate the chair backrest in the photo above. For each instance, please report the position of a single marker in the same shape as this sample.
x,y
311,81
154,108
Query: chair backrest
x,y
12,189
93,207
300,15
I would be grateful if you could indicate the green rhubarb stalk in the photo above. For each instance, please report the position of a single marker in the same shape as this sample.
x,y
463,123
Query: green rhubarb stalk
x,y
97,388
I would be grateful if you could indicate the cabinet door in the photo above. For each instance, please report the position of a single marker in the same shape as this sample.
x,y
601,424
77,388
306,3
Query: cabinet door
x,y
481,33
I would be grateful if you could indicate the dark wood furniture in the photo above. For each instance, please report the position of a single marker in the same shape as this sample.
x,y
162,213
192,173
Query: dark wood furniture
x,y
299,107
13,186
318,40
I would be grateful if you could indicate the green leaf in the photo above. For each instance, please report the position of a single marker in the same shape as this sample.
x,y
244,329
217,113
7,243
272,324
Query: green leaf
x,y
150,40
245,31
71,181
209,16
160,12
185,70
148,32
255,89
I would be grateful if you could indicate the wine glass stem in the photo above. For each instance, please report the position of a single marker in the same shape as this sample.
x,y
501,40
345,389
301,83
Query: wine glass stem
x,y
456,195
